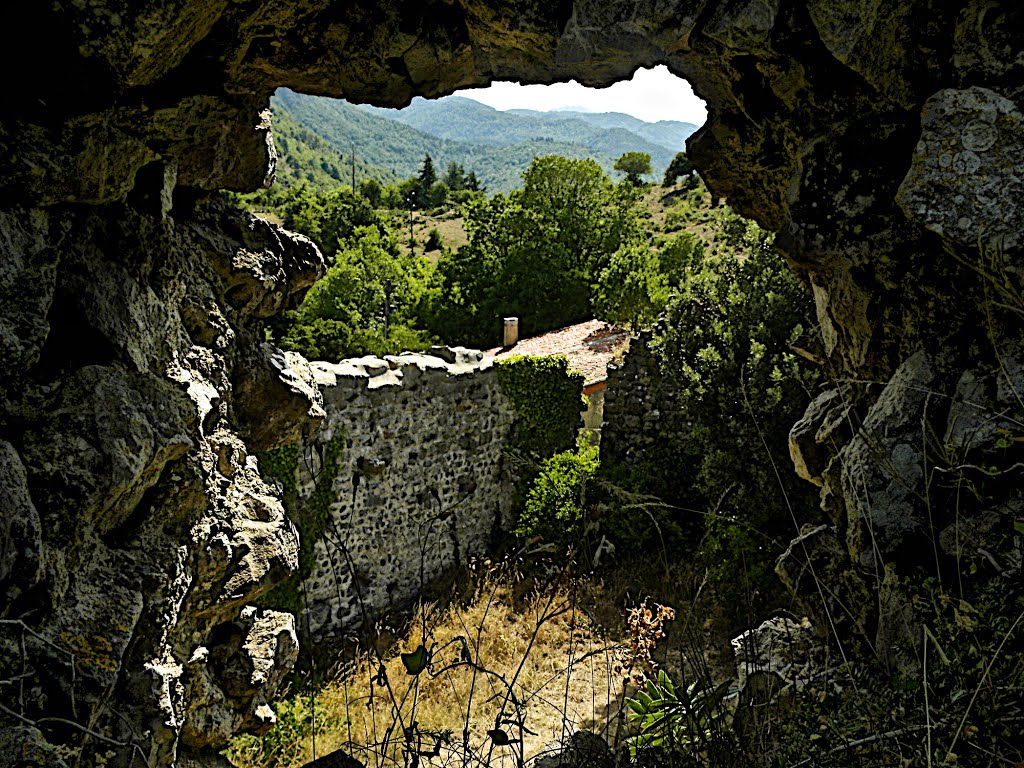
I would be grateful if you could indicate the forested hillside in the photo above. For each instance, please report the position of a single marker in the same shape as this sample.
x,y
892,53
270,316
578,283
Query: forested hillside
x,y
671,134
499,146
305,156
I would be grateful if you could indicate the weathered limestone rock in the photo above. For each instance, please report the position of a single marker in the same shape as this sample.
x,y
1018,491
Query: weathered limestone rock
x,y
336,759
816,568
135,524
883,467
24,746
967,178
232,678
267,420
815,433
21,545
777,662
27,283
781,647
106,436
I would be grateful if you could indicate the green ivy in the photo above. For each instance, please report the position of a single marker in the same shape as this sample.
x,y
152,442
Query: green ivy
x,y
310,515
282,464
547,397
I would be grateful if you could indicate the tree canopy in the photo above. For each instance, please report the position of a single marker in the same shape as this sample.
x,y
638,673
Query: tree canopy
x,y
680,166
534,253
634,165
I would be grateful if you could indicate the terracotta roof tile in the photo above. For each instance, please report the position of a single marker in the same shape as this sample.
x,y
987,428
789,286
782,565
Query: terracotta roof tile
x,y
590,346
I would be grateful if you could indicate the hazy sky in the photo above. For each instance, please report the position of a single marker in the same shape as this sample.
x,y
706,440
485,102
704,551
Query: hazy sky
x,y
652,94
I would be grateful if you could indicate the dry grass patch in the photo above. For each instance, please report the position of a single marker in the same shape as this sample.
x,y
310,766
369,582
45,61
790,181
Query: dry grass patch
x,y
497,677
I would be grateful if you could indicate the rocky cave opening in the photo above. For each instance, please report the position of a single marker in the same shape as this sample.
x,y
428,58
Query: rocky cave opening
x,y
881,143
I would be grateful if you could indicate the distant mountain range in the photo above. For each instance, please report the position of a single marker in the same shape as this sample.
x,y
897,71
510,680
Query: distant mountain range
x,y
319,135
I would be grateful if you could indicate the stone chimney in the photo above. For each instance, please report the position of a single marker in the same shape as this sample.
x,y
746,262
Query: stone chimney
x,y
511,335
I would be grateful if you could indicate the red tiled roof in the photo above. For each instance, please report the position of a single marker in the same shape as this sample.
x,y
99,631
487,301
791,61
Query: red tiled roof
x,y
590,346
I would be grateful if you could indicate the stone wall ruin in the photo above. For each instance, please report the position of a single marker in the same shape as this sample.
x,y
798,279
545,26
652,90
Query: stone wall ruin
x,y
422,484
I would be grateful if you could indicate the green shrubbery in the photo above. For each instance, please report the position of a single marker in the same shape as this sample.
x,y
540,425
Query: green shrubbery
x,y
725,345
727,342
557,508
343,315
568,246
548,398
309,515
534,254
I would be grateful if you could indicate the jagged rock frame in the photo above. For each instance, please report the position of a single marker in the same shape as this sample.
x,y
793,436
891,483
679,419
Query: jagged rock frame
x,y
882,140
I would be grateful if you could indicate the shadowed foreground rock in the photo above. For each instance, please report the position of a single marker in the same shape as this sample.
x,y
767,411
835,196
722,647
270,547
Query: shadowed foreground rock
x,y
137,524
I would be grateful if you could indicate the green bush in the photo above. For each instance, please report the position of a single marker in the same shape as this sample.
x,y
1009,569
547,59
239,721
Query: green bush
x,y
557,506
343,314
434,242
727,344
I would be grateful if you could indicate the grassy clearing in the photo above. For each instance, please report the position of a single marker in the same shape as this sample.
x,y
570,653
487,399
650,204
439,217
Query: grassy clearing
x,y
529,659
449,225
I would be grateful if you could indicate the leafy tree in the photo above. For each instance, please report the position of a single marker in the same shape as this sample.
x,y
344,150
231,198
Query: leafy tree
x,y
556,504
329,218
467,298
679,256
631,289
372,191
343,314
392,198
634,165
726,342
680,166
533,254
586,216
438,195
410,193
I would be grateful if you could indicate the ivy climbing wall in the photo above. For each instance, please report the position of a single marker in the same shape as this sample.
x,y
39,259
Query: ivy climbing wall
x,y
405,479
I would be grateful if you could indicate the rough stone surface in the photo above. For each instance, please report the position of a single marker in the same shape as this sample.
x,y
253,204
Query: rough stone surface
x,y
21,544
135,525
640,406
816,568
231,680
815,433
883,467
422,483
790,650
966,181
25,747
336,759
776,660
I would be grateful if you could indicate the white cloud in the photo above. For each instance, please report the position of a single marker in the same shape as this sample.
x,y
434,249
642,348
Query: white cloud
x,y
652,94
